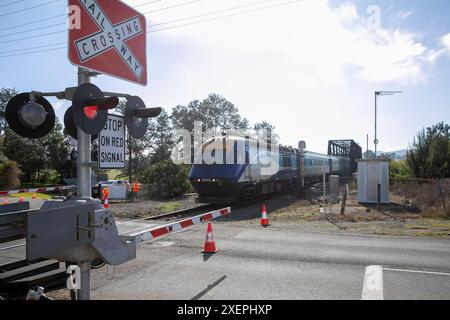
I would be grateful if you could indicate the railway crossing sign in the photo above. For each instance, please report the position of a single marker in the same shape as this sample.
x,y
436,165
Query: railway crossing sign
x,y
111,144
109,37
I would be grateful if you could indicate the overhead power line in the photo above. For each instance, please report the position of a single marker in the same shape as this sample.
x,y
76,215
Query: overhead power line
x,y
33,22
146,3
37,47
211,13
167,22
173,6
33,37
25,53
28,8
57,16
34,29
11,3
226,16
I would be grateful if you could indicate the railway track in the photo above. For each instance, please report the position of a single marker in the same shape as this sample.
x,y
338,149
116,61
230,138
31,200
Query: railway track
x,y
184,212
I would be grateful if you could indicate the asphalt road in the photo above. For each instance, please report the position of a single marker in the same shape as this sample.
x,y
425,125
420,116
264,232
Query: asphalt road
x,y
280,263
283,261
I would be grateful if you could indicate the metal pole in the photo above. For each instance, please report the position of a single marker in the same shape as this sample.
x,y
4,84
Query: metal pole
x,y
367,144
84,191
85,282
84,150
378,197
324,186
376,141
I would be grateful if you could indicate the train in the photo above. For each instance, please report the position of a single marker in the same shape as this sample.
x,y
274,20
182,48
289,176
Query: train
x,y
227,182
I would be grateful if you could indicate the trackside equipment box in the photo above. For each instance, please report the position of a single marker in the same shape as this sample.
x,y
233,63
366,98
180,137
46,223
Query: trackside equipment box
x,y
371,173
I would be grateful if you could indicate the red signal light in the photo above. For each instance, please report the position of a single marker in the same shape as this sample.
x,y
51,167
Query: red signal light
x,y
91,112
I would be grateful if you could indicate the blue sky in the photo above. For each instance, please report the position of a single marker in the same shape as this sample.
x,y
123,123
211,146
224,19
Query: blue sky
x,y
310,68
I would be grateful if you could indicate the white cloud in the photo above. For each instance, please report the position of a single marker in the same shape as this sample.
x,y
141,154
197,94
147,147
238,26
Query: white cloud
x,y
58,105
309,60
318,43
445,41
435,54
405,14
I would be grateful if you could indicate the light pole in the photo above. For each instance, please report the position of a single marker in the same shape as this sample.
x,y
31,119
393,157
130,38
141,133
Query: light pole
x,y
380,93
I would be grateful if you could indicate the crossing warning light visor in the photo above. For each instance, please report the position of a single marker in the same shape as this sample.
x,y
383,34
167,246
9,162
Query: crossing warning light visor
x,y
93,105
102,103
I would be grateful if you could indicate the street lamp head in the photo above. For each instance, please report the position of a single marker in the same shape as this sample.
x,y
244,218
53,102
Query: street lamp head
x,y
387,93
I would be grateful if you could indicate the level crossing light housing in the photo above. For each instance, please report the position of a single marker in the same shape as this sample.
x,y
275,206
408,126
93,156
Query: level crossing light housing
x,y
30,118
90,108
136,116
69,125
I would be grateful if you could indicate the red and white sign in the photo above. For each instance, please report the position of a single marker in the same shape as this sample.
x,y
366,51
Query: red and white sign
x,y
109,37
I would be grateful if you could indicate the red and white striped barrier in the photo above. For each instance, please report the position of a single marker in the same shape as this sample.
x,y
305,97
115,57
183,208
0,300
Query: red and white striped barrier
x,y
58,188
150,234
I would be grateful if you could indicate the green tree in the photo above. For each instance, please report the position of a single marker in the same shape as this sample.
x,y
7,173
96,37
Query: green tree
x,y
265,129
170,178
9,175
5,95
429,154
161,141
57,149
399,169
216,113
29,154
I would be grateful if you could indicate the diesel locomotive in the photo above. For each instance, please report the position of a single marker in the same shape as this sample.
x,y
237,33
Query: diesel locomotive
x,y
227,180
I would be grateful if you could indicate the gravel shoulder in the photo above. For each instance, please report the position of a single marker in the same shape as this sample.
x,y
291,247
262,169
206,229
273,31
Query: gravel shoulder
x,y
140,208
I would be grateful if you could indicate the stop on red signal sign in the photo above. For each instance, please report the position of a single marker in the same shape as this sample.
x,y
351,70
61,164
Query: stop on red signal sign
x,y
108,37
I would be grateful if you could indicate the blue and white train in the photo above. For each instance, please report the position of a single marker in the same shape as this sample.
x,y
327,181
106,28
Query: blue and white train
x,y
227,182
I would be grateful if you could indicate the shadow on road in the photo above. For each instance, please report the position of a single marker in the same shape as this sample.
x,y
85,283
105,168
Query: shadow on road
x,y
209,288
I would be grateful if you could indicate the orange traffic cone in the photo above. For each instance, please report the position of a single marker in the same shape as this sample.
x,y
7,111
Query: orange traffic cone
x,y
264,219
34,195
6,200
106,203
21,199
210,243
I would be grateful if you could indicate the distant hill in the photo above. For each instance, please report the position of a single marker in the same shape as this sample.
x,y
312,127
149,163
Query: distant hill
x,y
397,155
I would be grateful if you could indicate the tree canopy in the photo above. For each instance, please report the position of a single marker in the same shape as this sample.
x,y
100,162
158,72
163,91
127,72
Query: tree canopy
x,y
429,154
215,112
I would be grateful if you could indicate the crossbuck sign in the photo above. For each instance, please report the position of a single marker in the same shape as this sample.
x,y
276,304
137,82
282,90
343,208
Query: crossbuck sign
x,y
108,36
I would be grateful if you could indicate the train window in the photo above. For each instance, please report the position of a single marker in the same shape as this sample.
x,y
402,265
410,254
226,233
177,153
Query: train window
x,y
294,161
286,161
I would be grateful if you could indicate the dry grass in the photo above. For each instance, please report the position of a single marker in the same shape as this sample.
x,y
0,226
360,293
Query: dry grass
x,y
429,196
395,219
